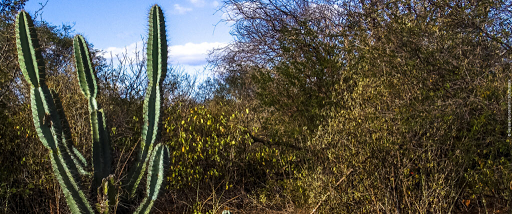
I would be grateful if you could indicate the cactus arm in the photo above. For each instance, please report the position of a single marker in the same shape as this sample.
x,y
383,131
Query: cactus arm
x,y
157,166
29,56
64,170
85,71
40,116
108,195
104,146
100,139
73,157
45,114
32,67
80,159
156,71
100,148
75,198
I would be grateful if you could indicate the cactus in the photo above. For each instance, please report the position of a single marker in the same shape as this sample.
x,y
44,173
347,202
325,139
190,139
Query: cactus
x,y
100,143
45,114
54,132
156,69
157,165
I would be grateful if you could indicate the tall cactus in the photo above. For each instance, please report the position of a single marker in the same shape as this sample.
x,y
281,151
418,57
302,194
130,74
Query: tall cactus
x,y
156,69
100,140
157,165
45,114
53,129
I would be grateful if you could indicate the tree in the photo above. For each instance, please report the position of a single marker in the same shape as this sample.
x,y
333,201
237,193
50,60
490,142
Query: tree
x,y
415,98
285,59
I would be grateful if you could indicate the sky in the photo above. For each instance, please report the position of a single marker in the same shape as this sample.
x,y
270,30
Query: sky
x,y
193,26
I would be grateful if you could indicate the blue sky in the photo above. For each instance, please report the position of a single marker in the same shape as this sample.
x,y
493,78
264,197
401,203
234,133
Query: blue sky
x,y
193,26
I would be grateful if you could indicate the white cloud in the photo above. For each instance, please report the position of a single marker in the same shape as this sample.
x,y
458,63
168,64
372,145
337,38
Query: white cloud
x,y
189,54
190,57
197,3
129,51
181,10
215,3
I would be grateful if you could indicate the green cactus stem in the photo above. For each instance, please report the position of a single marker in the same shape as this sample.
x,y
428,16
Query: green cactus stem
x,y
84,68
108,196
76,160
156,71
45,114
102,158
75,198
156,170
29,54
54,132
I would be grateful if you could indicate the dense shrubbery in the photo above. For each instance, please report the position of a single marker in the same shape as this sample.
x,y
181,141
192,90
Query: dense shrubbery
x,y
339,106
409,97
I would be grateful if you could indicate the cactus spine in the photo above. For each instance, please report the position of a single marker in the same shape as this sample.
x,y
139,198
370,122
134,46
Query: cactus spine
x,y
157,165
156,70
102,159
53,129
45,114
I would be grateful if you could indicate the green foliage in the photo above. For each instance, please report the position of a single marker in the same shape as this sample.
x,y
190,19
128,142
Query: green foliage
x,y
215,156
295,85
53,130
408,96
205,144
331,106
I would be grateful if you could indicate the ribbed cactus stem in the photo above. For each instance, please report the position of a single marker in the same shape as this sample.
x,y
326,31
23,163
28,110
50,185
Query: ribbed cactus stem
x,y
70,153
107,196
85,70
54,131
29,54
45,114
42,118
156,71
75,198
156,170
100,139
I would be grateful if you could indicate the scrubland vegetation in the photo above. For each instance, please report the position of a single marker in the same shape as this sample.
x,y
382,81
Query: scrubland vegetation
x,y
325,106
